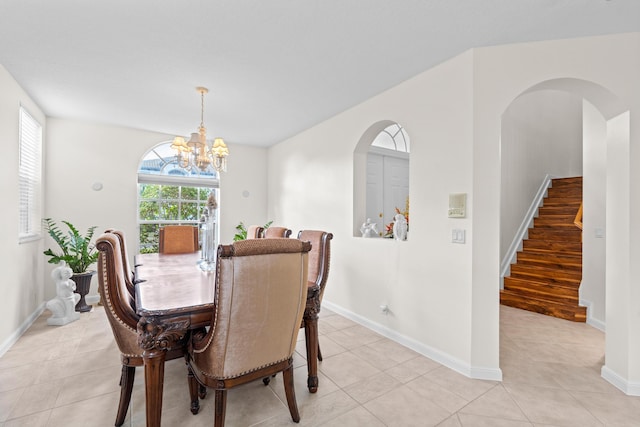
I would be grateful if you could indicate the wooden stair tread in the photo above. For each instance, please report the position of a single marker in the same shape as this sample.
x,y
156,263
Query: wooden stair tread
x,y
544,306
556,247
548,270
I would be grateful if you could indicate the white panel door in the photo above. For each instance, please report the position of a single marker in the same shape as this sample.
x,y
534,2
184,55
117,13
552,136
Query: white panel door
x,y
387,188
396,186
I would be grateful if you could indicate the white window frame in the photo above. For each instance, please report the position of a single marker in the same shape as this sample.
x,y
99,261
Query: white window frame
x,y
29,177
164,176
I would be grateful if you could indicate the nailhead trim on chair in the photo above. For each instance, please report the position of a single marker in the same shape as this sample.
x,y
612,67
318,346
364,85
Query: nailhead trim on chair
x,y
245,372
105,289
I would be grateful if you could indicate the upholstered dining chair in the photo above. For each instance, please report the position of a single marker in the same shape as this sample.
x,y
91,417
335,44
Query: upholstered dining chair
x,y
319,261
124,320
260,297
274,232
129,276
255,232
178,239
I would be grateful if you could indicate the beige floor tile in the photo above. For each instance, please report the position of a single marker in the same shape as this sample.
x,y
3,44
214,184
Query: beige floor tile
x,y
612,409
86,386
464,387
372,387
551,406
384,353
533,373
580,378
303,396
99,411
496,403
452,421
346,368
8,400
39,419
354,336
404,407
338,322
44,394
329,347
469,420
356,417
19,376
412,368
438,394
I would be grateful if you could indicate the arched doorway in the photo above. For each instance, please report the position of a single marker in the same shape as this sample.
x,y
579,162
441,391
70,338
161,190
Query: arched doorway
x,y
606,151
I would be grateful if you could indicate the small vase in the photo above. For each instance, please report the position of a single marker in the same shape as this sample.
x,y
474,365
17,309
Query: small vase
x,y
208,237
83,284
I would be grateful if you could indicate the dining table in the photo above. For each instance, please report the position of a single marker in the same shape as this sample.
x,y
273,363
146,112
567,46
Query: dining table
x,y
175,297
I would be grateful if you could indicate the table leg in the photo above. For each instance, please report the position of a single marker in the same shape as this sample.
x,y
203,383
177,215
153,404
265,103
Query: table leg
x,y
156,337
154,384
311,339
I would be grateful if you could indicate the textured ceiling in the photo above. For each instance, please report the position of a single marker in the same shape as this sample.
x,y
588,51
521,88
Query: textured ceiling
x,y
273,67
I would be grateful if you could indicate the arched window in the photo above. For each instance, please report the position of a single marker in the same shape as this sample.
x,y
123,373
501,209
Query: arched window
x,y
381,181
168,194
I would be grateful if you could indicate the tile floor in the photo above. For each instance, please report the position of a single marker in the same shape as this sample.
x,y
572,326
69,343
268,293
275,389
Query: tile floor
x,y
68,376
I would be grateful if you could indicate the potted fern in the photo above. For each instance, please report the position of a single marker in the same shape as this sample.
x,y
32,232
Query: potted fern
x,y
77,251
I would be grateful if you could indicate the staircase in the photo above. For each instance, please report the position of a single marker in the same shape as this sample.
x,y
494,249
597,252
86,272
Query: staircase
x,y
548,271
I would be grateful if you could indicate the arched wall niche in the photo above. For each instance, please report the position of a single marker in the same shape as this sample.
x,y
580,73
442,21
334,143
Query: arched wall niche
x,y
360,171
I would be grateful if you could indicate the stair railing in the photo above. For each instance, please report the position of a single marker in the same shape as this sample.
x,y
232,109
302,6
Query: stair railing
x,y
578,219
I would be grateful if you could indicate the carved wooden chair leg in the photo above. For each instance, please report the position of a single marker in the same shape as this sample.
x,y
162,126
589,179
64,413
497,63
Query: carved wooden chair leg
x,y
194,389
267,380
126,387
202,391
220,408
290,392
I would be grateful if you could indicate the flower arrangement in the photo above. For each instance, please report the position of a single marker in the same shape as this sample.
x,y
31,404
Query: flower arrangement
x,y
388,232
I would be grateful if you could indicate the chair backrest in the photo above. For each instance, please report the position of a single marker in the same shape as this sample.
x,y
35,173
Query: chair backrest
x,y
255,232
273,232
178,239
261,292
129,274
115,295
319,257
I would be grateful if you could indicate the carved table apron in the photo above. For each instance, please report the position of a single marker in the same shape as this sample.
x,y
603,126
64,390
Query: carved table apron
x,y
175,297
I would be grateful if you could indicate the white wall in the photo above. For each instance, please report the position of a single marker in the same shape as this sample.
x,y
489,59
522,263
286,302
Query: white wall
x,y
21,264
444,297
592,289
82,153
426,281
541,134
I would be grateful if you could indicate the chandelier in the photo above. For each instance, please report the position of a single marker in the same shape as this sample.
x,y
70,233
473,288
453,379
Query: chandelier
x,y
196,153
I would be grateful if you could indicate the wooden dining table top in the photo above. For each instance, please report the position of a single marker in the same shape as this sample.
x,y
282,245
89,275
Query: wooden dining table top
x,y
172,283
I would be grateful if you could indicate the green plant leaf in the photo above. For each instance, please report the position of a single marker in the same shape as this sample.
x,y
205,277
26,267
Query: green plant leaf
x,y
76,249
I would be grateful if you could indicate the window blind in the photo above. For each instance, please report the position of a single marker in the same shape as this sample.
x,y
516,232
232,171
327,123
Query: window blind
x,y
30,179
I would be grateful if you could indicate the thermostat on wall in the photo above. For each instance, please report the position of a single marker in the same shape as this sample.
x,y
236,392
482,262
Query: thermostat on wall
x,y
457,205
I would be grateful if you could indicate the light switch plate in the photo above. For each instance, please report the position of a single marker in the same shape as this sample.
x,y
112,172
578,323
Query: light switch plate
x,y
457,235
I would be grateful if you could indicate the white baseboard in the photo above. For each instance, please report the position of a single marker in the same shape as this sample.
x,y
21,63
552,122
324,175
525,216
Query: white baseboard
x,y
481,373
15,336
627,387
596,323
